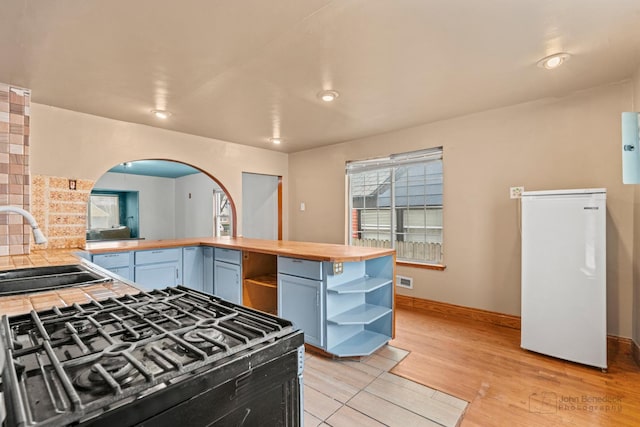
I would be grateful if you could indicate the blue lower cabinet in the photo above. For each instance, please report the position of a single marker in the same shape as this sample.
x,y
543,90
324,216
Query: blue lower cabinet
x,y
118,263
157,276
227,282
193,268
207,273
301,301
157,269
124,272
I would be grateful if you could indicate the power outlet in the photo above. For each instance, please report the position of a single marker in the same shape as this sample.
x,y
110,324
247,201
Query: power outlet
x,y
516,192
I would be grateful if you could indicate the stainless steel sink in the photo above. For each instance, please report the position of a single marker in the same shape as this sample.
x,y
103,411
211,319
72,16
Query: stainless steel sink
x,y
26,280
41,271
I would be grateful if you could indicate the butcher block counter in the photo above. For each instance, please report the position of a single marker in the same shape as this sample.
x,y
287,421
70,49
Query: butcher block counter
x,y
305,250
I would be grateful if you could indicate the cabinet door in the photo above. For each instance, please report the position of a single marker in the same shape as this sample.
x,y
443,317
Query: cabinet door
x,y
232,256
123,272
156,276
227,284
192,268
118,263
207,256
158,256
302,302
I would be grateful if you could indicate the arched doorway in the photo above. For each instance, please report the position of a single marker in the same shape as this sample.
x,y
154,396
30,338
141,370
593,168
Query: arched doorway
x,y
158,199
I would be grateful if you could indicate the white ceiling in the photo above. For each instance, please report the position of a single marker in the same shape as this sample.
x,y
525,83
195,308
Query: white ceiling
x,y
246,70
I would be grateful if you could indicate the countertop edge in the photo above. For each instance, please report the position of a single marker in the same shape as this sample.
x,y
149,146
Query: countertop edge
x,y
306,250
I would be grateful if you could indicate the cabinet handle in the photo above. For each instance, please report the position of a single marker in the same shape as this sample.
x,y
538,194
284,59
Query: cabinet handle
x,y
318,297
156,252
297,260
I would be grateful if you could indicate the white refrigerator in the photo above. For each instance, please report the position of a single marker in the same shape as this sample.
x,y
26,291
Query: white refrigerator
x,y
564,277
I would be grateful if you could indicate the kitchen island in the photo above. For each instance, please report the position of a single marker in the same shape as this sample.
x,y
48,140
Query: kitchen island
x,y
342,297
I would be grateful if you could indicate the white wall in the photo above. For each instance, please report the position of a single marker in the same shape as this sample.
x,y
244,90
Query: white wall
x,y
636,241
69,144
568,142
156,199
194,205
166,210
260,199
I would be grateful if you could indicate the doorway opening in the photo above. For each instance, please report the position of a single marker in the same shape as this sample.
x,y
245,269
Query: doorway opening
x,y
158,199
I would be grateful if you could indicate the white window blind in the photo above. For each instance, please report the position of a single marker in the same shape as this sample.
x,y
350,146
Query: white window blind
x,y
103,211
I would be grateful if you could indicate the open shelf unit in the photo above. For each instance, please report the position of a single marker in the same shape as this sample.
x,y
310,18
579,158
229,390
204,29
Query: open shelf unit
x,y
260,284
359,307
364,284
363,343
261,293
360,315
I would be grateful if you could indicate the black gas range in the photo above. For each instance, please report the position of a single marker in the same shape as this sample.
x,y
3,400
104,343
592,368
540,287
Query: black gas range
x,y
167,357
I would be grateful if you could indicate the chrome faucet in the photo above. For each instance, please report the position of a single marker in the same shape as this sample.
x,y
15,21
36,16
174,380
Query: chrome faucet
x,y
38,236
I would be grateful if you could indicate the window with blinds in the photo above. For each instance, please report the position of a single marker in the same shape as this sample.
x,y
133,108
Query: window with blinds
x,y
396,202
103,211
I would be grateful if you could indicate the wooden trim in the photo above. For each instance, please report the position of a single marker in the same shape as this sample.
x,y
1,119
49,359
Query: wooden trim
x,y
422,266
279,208
619,344
635,352
458,311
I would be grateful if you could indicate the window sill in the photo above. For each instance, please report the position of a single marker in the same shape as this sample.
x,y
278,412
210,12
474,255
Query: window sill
x,y
423,266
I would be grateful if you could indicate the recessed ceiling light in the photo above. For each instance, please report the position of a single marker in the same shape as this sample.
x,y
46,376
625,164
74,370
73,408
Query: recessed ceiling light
x,y
553,61
328,95
275,140
161,114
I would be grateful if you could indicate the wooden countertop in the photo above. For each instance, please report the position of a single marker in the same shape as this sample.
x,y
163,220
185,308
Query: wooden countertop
x,y
306,250
24,303
18,304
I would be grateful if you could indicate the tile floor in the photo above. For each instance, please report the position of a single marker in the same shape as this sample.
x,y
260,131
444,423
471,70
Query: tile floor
x,y
363,393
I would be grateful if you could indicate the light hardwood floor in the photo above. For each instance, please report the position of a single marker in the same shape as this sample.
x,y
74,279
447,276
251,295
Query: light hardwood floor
x,y
507,386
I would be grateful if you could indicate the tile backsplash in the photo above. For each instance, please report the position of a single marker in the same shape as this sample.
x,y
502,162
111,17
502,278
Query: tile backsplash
x,y
61,211
15,233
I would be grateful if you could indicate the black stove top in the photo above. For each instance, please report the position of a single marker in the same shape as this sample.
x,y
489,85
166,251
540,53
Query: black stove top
x,y
70,364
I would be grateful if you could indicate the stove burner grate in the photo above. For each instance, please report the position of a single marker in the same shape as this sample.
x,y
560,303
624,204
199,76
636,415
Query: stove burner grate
x,y
132,334
106,376
86,356
203,336
78,324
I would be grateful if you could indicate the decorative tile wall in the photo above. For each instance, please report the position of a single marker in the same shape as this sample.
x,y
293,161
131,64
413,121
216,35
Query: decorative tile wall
x,y
61,211
15,233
